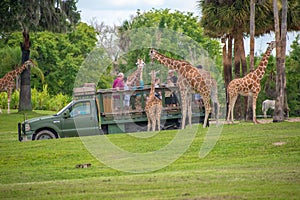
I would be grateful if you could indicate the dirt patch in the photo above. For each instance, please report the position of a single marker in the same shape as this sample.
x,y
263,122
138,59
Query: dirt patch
x,y
279,143
294,119
270,120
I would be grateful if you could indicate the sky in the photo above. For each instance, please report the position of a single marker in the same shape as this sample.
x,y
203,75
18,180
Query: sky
x,y
115,12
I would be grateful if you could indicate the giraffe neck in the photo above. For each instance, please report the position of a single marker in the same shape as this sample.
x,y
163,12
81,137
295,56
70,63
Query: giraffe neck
x,y
135,77
152,90
19,70
261,69
169,62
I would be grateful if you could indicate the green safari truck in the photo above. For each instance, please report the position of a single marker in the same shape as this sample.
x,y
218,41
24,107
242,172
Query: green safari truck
x,y
103,112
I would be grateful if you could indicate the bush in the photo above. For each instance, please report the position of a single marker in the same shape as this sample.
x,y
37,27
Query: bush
x,y
40,100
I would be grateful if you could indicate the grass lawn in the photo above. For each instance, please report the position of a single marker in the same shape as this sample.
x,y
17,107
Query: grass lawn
x,y
248,162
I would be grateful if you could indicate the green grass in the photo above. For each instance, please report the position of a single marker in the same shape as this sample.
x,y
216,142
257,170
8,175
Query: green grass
x,y
244,164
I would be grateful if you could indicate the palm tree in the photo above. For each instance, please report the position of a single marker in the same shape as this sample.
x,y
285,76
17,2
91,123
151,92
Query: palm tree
x,y
35,15
228,19
221,19
280,34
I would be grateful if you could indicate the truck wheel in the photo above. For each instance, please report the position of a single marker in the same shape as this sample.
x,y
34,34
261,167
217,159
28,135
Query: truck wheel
x,y
44,135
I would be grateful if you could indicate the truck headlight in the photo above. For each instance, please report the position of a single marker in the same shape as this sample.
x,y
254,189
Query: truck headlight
x,y
27,127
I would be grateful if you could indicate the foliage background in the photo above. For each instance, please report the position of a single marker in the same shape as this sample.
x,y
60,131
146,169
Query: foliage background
x,y
98,51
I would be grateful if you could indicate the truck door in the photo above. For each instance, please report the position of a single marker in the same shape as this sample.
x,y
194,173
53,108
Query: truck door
x,y
82,120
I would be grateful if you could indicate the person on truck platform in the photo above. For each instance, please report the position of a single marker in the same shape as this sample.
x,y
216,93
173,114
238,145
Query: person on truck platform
x,y
118,85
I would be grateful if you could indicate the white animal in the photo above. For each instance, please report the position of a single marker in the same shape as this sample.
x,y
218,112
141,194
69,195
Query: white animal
x,y
266,105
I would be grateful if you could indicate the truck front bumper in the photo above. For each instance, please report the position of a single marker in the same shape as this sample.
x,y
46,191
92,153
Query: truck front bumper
x,y
22,136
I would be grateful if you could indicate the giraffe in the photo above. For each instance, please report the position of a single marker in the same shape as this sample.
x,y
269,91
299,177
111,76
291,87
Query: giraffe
x,y
7,83
199,82
135,77
134,81
249,85
186,97
153,106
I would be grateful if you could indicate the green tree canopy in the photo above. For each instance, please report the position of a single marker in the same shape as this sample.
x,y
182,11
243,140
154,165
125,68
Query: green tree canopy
x,y
35,15
171,31
59,56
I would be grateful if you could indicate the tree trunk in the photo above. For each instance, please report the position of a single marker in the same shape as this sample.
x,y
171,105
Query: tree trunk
x,y
25,90
228,76
244,72
249,113
252,33
238,108
283,55
278,112
227,63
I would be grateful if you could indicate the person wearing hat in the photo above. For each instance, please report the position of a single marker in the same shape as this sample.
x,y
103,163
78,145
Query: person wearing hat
x,y
119,81
118,85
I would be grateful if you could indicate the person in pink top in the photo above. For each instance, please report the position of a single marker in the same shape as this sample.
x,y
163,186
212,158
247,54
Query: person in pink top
x,y
119,81
118,85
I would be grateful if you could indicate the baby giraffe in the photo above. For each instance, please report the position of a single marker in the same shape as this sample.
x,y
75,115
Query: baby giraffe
x,y
153,106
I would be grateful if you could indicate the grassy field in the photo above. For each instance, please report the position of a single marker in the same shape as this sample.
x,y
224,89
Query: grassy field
x,y
248,162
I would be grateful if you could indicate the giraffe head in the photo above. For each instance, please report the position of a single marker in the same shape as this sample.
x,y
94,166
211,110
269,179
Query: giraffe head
x,y
140,63
272,45
29,63
152,54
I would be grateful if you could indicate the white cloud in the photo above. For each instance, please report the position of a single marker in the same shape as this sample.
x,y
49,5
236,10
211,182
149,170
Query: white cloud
x,y
109,17
116,11
130,3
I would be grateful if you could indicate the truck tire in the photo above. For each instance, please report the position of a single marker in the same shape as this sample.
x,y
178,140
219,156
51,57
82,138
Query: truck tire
x,y
45,135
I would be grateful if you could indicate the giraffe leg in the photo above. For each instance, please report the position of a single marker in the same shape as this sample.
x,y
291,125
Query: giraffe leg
x,y
216,104
229,112
189,107
217,111
8,101
158,114
152,119
149,121
183,108
153,122
232,101
207,110
254,109
229,109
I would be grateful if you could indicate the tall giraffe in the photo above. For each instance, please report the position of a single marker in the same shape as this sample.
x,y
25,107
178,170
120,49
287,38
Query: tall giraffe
x,y
199,82
153,106
249,85
186,97
7,82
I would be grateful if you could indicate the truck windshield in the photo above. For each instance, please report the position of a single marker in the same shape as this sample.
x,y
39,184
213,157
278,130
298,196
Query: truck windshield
x,y
62,110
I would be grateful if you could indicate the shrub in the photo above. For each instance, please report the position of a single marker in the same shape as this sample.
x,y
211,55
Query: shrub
x,y
40,100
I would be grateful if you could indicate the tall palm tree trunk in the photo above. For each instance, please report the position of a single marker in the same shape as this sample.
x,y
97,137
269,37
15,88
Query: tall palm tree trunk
x,y
238,109
283,54
249,113
25,91
227,63
280,61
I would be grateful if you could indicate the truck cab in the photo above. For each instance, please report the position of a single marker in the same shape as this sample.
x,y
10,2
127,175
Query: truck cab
x,y
78,118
